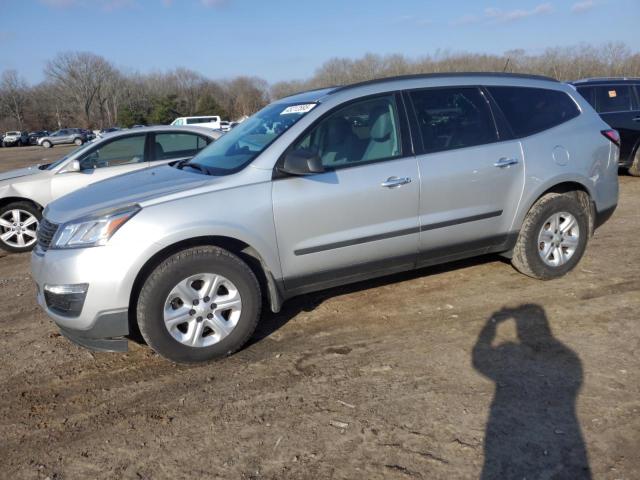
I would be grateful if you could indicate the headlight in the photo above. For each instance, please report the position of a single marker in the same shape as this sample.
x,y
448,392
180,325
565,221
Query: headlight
x,y
92,232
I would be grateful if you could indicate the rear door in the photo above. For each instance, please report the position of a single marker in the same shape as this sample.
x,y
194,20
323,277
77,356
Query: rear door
x,y
359,217
471,174
107,159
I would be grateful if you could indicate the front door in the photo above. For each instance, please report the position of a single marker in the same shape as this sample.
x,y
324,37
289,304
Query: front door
x,y
359,217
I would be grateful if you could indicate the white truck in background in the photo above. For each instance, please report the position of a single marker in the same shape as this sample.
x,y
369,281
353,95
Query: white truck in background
x,y
212,122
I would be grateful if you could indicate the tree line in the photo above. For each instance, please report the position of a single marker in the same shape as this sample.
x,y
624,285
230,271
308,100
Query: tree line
x,y
82,89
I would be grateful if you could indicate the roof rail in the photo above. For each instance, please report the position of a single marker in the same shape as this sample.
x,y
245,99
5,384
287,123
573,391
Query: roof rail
x,y
604,79
444,75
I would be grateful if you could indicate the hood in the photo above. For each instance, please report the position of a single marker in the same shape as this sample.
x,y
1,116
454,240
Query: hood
x,y
142,186
20,172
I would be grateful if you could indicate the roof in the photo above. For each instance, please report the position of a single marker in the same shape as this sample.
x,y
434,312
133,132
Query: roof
x,y
605,80
427,76
317,94
214,134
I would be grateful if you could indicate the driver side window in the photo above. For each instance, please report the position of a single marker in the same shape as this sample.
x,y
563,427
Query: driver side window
x,y
362,132
121,151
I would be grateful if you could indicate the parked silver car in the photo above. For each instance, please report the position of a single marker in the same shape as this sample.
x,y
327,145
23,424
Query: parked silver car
x,y
26,191
324,188
65,136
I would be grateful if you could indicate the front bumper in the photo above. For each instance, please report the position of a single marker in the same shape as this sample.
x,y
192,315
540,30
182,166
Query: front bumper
x,y
102,321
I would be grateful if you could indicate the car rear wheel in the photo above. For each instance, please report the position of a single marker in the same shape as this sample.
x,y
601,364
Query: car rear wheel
x,y
553,237
634,169
199,304
18,224
78,141
46,144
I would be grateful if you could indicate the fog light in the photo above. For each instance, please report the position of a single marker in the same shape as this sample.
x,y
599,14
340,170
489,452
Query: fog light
x,y
66,300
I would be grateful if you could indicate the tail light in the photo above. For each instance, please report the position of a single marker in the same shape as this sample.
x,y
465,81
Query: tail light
x,y
612,135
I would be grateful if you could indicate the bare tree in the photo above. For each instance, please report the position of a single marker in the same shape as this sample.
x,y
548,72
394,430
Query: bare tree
x,y
245,96
14,95
80,76
86,88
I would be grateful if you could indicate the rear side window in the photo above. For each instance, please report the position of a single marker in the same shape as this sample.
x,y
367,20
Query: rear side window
x,y
450,118
613,98
532,110
176,145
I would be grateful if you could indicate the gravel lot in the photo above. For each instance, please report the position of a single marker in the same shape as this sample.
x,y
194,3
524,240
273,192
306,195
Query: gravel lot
x,y
439,373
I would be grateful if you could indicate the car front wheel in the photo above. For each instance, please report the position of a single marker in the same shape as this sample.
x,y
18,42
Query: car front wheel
x,y
46,144
78,141
18,224
553,237
199,304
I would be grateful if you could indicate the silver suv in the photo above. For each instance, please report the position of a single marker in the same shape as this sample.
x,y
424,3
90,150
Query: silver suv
x,y
324,188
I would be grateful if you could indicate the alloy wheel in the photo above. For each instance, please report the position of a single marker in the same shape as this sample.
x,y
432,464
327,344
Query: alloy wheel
x,y
18,228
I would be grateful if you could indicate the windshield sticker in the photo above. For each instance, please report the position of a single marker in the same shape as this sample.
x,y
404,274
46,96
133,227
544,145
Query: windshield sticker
x,y
307,107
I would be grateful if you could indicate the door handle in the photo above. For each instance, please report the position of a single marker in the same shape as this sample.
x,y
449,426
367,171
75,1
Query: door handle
x,y
395,182
636,119
505,162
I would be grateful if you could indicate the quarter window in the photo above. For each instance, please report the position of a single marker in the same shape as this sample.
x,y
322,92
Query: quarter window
x,y
122,151
450,118
177,145
364,131
532,110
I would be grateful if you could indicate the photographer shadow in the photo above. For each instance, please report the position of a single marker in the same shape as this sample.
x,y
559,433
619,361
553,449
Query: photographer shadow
x,y
532,431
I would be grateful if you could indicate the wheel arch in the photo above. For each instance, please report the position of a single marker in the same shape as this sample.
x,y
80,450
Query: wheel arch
x,y
271,290
581,190
7,200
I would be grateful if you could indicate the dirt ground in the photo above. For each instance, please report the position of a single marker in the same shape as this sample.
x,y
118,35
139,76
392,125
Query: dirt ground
x,y
448,372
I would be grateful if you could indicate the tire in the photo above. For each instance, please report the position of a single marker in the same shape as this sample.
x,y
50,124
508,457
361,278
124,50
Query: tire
x,y
26,208
527,255
78,141
47,144
634,169
155,299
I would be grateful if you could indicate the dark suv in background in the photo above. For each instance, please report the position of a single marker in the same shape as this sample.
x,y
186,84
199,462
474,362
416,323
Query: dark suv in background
x,y
617,100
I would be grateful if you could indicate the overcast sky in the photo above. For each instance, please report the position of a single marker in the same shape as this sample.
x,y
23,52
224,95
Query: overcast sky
x,y
288,39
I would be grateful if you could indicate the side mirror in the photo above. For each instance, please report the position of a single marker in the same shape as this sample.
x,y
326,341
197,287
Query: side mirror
x,y
302,162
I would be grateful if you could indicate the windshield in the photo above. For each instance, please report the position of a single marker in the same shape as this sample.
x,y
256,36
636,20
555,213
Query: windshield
x,y
86,146
236,149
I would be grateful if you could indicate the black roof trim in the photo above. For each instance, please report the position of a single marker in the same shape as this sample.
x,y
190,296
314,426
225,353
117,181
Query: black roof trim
x,y
605,80
444,75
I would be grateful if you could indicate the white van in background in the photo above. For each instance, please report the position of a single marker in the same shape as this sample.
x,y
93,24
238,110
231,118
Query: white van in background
x,y
207,122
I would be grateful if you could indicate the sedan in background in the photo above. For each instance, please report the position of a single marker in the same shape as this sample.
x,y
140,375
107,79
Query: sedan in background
x,y
25,192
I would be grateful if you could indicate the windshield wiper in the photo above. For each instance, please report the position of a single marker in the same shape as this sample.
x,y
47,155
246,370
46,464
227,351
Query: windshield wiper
x,y
196,166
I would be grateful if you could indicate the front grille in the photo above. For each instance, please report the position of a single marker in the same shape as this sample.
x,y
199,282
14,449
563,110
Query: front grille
x,y
46,231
